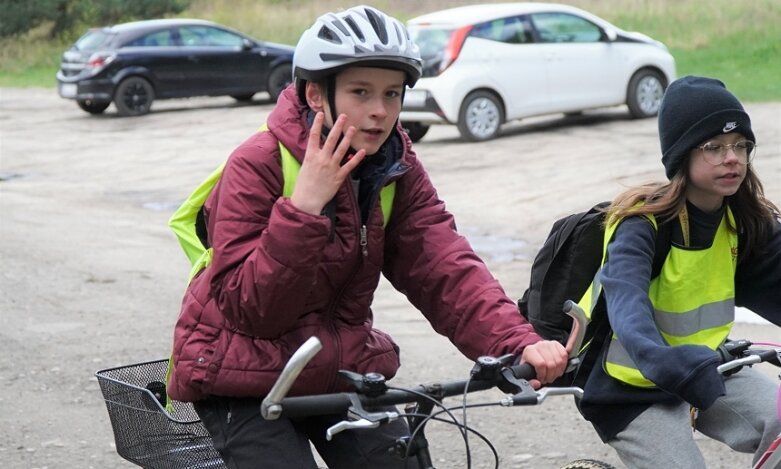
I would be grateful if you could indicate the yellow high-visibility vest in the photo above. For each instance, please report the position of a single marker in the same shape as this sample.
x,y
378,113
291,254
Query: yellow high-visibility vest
x,y
693,299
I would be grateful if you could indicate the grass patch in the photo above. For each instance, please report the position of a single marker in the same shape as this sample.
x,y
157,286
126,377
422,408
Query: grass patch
x,y
736,42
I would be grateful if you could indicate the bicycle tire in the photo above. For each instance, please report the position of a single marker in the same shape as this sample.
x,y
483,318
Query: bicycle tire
x,y
588,464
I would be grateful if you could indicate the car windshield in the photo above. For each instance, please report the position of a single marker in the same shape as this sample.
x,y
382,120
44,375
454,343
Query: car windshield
x,y
431,41
94,39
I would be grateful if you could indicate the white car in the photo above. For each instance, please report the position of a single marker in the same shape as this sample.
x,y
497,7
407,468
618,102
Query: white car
x,y
487,64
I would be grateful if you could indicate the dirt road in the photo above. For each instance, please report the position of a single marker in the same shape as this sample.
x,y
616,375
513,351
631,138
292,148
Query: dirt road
x,y
92,278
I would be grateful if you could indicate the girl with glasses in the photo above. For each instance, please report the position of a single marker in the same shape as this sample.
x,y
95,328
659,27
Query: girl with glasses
x,y
657,379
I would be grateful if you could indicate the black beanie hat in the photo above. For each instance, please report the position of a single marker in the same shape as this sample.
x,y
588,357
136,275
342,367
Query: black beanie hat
x,y
693,110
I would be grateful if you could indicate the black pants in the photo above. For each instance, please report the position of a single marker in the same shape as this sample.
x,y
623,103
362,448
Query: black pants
x,y
245,440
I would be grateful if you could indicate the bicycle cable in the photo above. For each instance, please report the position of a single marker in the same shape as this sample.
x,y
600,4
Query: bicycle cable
x,y
435,417
426,418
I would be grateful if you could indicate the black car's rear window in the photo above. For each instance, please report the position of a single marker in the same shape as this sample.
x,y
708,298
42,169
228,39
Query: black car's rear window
x,y
94,39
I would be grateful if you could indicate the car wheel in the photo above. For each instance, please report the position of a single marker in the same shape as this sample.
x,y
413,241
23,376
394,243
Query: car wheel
x,y
644,95
415,130
480,117
93,107
278,80
243,97
134,96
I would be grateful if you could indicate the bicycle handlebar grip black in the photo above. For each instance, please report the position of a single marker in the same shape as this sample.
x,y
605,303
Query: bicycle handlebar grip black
x,y
307,406
770,356
524,371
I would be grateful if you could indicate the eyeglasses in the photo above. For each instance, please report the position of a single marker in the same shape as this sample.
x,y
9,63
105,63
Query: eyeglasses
x,y
715,153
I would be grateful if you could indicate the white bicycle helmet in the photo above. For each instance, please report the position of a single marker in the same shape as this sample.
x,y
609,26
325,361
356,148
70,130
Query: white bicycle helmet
x,y
362,36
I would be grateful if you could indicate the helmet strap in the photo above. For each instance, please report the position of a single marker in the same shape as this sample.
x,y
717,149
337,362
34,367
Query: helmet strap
x,y
331,86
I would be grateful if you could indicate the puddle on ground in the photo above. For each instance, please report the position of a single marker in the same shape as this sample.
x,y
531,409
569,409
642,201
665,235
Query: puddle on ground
x,y
7,176
161,206
495,248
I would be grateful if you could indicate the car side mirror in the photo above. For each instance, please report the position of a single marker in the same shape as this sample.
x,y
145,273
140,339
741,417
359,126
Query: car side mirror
x,y
246,44
611,34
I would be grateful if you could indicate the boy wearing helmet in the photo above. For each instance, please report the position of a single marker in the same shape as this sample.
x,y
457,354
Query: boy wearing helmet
x,y
285,269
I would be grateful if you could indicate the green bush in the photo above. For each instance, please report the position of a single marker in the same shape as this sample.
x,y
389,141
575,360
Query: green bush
x,y
19,17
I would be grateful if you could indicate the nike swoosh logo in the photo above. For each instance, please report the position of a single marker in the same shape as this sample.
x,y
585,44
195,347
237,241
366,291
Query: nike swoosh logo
x,y
729,127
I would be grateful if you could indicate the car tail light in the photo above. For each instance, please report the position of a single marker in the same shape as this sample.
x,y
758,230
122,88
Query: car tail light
x,y
454,46
99,60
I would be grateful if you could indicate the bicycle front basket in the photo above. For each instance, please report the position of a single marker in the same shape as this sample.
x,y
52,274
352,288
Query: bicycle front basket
x,y
144,432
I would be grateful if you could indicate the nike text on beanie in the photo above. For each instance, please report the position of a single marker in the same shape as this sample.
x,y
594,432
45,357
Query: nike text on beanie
x,y
693,110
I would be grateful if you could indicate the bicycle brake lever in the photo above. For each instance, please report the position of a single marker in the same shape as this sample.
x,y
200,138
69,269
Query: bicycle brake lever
x,y
523,391
362,418
349,425
532,397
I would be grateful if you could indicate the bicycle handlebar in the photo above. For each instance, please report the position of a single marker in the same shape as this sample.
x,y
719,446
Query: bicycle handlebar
x,y
748,357
337,403
270,408
515,377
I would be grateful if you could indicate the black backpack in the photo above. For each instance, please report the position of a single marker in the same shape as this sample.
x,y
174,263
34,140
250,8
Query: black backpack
x,y
565,267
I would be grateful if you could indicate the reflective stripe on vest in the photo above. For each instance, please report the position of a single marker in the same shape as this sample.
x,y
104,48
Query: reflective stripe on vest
x,y
183,221
693,299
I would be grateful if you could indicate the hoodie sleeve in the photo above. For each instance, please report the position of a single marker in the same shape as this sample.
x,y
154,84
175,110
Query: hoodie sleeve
x,y
436,268
757,280
688,371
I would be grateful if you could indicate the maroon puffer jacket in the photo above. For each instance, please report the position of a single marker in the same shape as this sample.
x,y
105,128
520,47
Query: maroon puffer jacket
x,y
280,275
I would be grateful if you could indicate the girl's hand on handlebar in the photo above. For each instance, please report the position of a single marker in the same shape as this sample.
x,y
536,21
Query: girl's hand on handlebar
x,y
549,359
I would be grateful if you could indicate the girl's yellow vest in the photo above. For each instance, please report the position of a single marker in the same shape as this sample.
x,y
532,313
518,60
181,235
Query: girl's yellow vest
x,y
693,297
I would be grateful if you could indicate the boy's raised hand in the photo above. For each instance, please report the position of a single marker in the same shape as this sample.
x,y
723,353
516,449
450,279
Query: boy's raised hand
x,y
322,171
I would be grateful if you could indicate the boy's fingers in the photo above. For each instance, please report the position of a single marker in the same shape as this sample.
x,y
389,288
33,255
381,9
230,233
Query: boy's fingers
x,y
334,135
316,131
344,145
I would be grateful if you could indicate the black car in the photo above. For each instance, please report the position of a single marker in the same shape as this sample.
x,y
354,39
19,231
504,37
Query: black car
x,y
132,64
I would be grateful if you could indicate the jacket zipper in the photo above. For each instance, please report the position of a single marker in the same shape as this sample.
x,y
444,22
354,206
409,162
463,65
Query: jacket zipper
x,y
329,312
395,170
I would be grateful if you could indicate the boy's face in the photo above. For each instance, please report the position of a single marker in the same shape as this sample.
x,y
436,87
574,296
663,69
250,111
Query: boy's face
x,y
370,98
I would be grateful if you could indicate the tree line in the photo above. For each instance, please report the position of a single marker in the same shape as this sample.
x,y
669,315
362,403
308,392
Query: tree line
x,y
67,17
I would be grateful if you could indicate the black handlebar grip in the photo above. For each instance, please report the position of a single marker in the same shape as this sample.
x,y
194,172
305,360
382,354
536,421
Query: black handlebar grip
x,y
308,406
524,371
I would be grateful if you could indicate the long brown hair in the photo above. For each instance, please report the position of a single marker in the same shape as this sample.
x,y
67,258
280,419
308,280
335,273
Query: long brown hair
x,y
755,215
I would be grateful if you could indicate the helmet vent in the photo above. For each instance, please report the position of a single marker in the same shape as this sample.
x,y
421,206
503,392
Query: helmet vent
x,y
340,26
351,23
326,33
377,24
